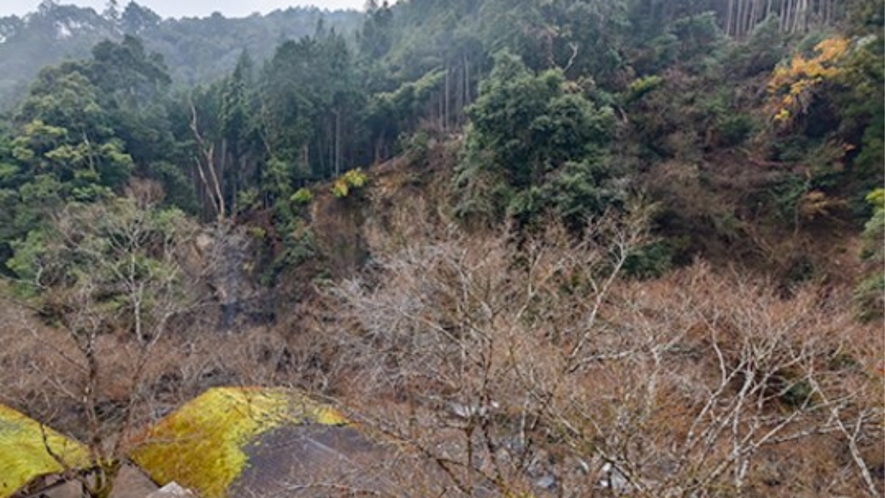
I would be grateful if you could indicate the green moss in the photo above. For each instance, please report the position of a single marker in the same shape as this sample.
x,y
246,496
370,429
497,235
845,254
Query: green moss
x,y
24,455
201,445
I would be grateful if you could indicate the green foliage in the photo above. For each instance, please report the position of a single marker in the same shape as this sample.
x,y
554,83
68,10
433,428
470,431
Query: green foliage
x,y
539,118
799,393
830,119
354,179
734,129
860,100
299,246
277,178
374,38
25,264
257,233
177,186
650,261
876,199
870,294
641,86
416,145
761,52
672,121
82,132
248,200
305,115
692,43
867,17
198,51
541,142
392,114
112,258
699,36
585,189
302,196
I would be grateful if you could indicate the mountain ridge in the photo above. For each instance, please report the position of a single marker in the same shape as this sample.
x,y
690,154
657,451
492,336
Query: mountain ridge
x,y
197,50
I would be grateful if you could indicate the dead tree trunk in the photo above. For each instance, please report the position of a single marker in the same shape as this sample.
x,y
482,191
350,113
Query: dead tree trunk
x,y
213,187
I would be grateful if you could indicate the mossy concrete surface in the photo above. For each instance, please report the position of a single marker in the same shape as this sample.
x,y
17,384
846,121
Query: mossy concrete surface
x,y
203,445
27,449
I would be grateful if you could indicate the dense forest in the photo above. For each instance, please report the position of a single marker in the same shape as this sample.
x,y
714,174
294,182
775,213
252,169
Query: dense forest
x,y
638,244
197,51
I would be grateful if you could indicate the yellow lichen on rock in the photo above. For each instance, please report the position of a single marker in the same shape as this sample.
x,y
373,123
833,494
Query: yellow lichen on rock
x,y
202,445
25,447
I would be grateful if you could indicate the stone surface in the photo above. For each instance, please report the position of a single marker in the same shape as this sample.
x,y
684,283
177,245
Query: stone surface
x,y
172,490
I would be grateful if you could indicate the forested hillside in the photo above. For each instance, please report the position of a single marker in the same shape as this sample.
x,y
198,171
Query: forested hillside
x,y
562,247
196,50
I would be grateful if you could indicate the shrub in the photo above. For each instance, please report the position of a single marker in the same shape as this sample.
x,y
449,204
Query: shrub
x,y
302,196
416,145
642,86
353,179
869,294
248,199
356,178
735,129
528,134
649,261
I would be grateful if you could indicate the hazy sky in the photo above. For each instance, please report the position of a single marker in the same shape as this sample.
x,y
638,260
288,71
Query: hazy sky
x,y
179,8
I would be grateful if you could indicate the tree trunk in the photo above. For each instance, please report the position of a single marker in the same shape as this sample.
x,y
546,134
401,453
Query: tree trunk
x,y
728,18
446,97
305,156
337,142
213,188
467,80
739,19
787,17
754,13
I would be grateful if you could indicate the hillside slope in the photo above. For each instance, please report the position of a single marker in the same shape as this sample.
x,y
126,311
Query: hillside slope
x,y
196,50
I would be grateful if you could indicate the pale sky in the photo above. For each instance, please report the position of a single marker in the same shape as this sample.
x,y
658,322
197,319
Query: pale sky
x,y
189,8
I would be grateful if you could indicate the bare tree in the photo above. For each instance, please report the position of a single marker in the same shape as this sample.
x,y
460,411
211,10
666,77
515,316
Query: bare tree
x,y
109,283
206,161
515,367
116,325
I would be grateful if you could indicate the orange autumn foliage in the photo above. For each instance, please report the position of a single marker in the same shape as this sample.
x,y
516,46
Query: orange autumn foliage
x,y
792,87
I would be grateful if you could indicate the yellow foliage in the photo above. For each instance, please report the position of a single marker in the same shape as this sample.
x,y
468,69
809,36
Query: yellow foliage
x,y
832,49
816,204
340,189
353,179
791,86
201,446
24,455
356,178
783,115
877,199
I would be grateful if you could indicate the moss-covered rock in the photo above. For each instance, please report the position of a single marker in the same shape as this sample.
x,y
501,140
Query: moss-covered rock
x,y
27,448
204,444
